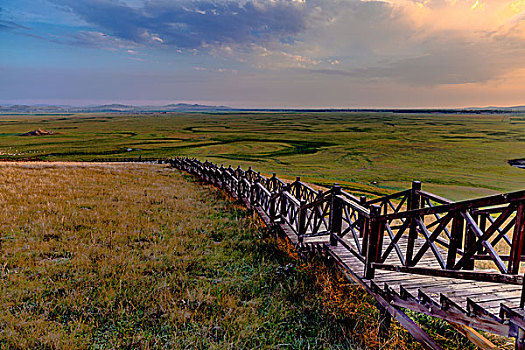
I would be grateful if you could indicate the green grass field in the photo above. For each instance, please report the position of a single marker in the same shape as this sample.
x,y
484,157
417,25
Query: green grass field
x,y
457,156
140,256
134,256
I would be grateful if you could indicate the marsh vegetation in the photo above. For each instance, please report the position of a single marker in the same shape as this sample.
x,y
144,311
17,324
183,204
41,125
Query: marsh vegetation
x,y
139,256
122,255
457,156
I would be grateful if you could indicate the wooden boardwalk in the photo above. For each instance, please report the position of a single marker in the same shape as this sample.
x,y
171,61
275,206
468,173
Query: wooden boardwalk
x,y
458,261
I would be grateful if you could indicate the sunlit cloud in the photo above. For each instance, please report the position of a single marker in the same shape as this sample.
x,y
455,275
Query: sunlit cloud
x,y
414,44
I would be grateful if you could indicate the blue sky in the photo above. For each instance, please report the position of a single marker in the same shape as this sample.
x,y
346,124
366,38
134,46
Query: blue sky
x,y
264,53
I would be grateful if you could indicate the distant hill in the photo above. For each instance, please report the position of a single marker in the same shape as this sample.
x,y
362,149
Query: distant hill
x,y
185,107
518,109
113,108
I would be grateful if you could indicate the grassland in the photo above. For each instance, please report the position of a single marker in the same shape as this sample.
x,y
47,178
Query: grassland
x,y
137,256
98,256
457,156
126,256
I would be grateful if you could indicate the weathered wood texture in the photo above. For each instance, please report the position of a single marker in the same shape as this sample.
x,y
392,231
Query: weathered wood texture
x,y
459,261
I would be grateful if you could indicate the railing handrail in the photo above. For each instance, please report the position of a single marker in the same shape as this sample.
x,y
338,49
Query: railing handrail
x,y
387,197
291,198
305,186
320,199
349,196
417,215
362,210
498,199
264,189
434,197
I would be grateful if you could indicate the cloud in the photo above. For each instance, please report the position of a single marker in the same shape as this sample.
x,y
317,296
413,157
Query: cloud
x,y
8,25
411,42
193,24
95,39
442,61
421,43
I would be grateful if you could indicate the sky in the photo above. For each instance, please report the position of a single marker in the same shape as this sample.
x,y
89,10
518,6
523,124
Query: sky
x,y
264,53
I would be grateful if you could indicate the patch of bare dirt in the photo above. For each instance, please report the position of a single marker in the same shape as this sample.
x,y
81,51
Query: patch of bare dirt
x,y
38,132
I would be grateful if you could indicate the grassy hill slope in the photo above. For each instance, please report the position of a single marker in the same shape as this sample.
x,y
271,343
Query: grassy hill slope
x,y
134,256
455,156
98,256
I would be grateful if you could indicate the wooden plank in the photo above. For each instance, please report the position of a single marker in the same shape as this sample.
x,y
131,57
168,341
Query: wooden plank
x,y
495,302
495,296
419,281
402,277
474,336
437,286
468,275
472,292
486,325
455,286
434,197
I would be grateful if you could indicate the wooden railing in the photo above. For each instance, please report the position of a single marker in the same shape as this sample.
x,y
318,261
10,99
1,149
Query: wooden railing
x,y
411,231
460,235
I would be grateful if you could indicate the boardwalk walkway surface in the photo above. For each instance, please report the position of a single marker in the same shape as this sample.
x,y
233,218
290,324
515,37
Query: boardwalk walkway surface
x,y
458,261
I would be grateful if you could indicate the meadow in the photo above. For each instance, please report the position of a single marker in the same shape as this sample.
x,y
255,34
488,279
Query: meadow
x,y
121,256
456,156
131,255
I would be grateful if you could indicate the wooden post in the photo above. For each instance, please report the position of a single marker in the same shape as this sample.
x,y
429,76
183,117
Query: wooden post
x,y
522,299
470,237
204,174
385,320
256,196
239,188
361,218
302,221
483,226
336,215
252,192
297,188
221,176
375,243
518,240
455,240
481,220
273,198
520,340
274,182
365,230
282,211
414,202
248,193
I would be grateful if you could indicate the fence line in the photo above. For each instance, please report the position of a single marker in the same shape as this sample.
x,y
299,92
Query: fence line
x,y
412,232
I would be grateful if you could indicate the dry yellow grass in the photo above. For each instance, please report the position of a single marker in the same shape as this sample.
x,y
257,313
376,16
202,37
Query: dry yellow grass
x,y
140,256
72,233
